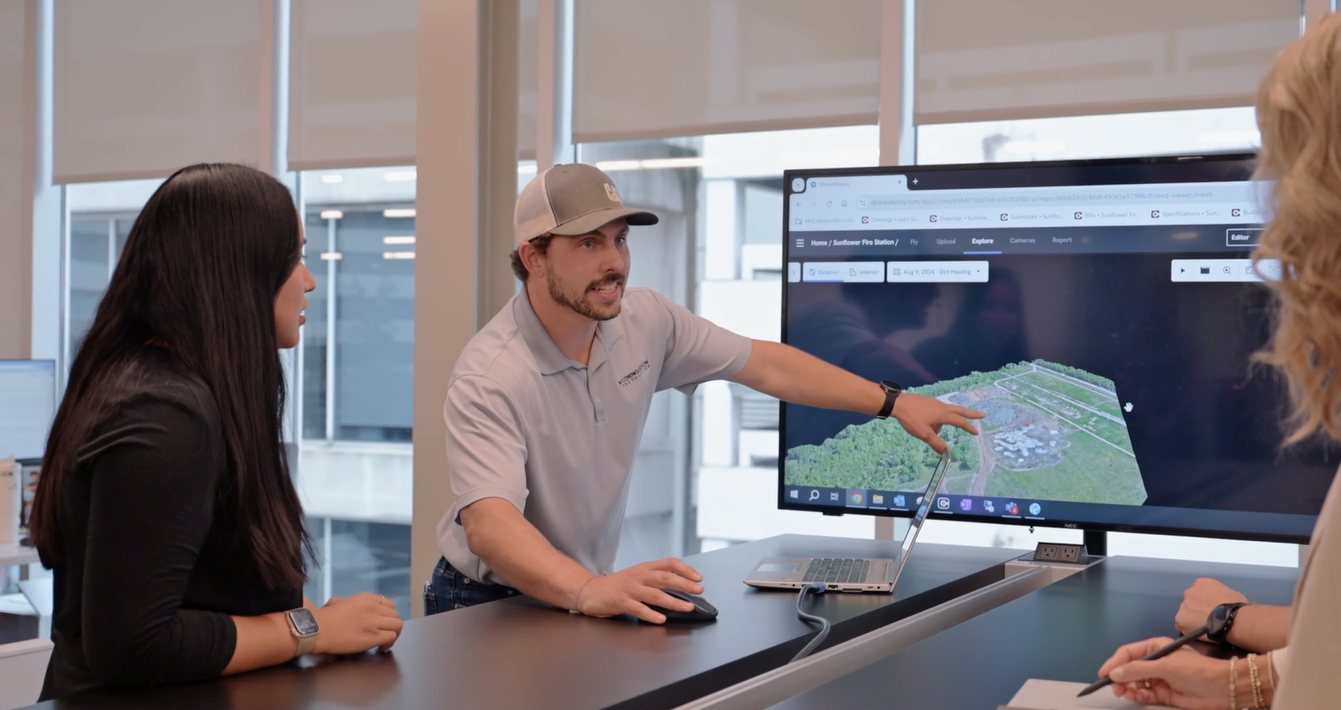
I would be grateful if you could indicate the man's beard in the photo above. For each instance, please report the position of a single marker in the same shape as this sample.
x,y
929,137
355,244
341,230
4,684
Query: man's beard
x,y
578,303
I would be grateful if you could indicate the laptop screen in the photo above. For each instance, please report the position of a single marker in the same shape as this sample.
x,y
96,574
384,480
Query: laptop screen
x,y
923,506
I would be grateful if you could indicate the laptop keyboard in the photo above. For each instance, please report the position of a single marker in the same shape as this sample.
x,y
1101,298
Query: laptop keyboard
x,y
834,570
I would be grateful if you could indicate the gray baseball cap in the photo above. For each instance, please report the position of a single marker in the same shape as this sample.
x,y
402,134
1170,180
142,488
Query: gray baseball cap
x,y
569,200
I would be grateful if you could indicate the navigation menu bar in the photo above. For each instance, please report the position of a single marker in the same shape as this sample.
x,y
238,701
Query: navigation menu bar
x,y
843,272
888,272
1164,238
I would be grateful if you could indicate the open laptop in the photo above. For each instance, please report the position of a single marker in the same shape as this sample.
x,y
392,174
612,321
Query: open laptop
x,y
848,574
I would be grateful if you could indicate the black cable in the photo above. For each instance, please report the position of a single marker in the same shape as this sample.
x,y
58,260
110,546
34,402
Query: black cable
x,y
817,588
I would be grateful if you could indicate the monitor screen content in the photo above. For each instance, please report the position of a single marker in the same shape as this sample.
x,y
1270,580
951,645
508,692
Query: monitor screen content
x,y
1102,314
27,406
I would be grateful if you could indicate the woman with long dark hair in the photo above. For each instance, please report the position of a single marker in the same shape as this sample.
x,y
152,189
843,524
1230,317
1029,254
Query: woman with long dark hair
x,y
165,508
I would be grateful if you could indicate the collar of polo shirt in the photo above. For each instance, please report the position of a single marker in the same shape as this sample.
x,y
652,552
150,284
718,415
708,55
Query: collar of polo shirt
x,y
547,353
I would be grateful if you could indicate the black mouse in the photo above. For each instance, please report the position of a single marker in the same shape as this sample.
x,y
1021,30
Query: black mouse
x,y
703,611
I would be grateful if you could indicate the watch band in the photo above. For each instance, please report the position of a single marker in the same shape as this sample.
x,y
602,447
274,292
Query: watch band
x,y
892,392
304,627
306,644
1226,614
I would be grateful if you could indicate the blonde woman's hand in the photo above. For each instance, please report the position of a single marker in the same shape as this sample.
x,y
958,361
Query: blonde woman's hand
x,y
357,624
1183,679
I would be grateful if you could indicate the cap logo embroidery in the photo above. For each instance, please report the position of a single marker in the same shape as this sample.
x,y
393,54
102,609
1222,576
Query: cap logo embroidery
x,y
611,192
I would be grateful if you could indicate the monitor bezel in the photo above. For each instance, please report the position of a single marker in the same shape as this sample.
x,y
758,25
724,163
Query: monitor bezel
x,y
1239,160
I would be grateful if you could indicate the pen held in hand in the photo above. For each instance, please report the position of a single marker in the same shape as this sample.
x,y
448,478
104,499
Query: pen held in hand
x,y
1178,643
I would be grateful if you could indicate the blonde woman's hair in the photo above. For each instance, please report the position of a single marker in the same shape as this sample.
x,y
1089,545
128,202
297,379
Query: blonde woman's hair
x,y
1299,114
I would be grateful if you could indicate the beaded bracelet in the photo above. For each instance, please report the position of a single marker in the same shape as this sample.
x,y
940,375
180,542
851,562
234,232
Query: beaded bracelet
x,y
1233,684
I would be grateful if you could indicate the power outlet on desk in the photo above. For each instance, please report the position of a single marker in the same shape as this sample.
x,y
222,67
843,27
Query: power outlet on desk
x,y
1060,552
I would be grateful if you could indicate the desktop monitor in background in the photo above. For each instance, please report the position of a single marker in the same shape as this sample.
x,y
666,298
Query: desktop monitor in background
x,y
1103,314
27,407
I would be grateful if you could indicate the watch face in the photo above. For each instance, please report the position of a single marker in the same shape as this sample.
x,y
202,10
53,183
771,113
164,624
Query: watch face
x,y
303,622
1217,625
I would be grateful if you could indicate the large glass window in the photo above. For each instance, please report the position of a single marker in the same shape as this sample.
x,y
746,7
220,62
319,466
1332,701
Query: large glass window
x,y
1077,137
359,349
357,379
360,556
89,270
98,223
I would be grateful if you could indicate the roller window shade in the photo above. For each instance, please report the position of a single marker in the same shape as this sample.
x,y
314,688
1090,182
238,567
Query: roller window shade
x,y
13,74
1048,58
528,73
653,69
352,83
143,87
15,200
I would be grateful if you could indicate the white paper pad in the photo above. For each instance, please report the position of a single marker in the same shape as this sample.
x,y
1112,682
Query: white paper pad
x,y
1057,695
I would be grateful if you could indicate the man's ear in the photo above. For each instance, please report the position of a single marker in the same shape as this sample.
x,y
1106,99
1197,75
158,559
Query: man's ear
x,y
534,261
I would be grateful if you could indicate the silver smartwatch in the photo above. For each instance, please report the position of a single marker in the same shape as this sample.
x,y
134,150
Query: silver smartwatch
x,y
303,625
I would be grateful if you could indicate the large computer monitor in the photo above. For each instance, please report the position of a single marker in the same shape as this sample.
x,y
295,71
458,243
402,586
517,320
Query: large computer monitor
x,y
27,407
1103,314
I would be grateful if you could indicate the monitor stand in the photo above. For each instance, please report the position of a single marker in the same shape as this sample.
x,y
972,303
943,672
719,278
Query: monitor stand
x,y
1096,543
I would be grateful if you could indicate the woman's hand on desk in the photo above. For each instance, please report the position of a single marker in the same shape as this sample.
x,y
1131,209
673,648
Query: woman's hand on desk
x,y
1183,679
357,624
1257,627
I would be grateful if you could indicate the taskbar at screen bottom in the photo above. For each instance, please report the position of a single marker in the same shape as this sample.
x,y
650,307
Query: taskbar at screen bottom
x,y
1279,527
853,498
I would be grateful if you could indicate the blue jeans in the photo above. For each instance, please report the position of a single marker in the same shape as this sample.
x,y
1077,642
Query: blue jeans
x,y
448,589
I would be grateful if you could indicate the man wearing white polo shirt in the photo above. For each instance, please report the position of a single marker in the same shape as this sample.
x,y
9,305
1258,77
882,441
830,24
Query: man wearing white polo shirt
x,y
547,403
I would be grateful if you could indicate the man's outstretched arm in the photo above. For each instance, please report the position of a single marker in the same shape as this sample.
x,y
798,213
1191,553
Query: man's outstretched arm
x,y
795,376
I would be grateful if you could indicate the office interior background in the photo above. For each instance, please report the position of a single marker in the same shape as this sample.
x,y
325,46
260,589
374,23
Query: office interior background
x,y
694,107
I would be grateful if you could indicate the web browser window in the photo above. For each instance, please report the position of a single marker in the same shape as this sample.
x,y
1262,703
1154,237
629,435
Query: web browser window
x,y
1103,316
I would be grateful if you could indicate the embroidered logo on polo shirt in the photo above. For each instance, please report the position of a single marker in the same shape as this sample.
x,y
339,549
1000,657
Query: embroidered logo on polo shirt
x,y
632,376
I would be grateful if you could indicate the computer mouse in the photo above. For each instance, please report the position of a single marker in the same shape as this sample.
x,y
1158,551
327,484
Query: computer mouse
x,y
703,611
